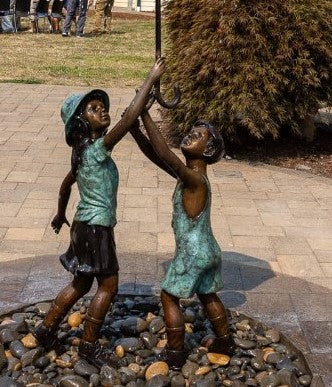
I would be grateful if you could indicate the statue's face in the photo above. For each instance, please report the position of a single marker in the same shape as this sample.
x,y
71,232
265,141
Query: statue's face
x,y
194,143
97,115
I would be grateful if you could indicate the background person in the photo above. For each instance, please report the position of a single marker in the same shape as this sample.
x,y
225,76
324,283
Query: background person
x,y
103,16
82,7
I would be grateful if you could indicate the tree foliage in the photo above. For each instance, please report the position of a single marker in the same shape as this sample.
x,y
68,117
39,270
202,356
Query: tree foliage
x,y
259,63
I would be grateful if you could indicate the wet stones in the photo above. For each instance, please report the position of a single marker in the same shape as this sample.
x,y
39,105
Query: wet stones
x,y
157,368
3,358
135,334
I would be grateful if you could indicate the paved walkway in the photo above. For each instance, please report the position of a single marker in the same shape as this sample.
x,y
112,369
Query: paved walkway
x,y
274,225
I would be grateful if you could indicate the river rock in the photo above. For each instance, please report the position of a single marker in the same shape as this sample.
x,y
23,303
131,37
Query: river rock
x,y
30,357
3,358
129,344
17,349
157,368
273,335
29,341
119,351
156,324
72,381
218,358
178,380
243,343
14,364
126,375
158,381
42,362
149,339
132,326
305,380
274,357
7,336
42,308
189,369
6,381
109,376
203,370
83,368
75,319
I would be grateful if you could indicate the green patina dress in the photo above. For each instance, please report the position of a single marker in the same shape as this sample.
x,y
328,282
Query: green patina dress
x,y
196,266
92,247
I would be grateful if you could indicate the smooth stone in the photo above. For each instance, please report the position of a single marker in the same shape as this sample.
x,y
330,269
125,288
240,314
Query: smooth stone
x,y
129,344
258,363
227,382
233,370
156,324
235,361
14,364
42,308
42,362
273,335
305,380
144,353
31,356
126,375
134,367
178,381
17,349
270,381
7,336
133,326
157,368
75,320
83,368
94,380
189,369
6,381
109,376
218,358
260,376
19,317
287,377
251,382
205,383
161,343
119,351
203,370
149,339
243,343
137,383
189,315
274,358
238,383
158,381
3,357
287,364
72,381
29,341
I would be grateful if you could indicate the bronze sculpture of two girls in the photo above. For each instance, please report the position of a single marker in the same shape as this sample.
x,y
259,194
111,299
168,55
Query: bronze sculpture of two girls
x,y
196,266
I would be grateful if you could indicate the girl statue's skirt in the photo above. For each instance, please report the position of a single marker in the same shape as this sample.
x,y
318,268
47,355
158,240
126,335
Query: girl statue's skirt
x,y
92,250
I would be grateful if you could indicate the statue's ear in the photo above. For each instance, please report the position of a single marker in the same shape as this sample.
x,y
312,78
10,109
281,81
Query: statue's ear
x,y
209,150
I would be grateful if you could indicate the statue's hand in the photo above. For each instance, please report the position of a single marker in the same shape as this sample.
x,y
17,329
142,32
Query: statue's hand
x,y
58,221
158,69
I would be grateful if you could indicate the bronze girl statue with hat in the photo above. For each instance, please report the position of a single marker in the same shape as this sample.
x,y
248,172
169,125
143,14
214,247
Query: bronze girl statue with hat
x,y
91,253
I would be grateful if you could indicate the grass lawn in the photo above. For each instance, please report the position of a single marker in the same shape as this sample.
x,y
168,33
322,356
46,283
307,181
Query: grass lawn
x,y
119,59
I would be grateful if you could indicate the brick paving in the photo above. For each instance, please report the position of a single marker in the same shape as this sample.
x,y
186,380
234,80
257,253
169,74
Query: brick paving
x,y
275,225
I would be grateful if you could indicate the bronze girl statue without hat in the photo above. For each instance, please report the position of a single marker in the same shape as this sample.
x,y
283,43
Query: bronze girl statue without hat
x,y
91,253
196,266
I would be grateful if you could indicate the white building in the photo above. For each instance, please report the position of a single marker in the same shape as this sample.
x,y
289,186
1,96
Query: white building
x,y
136,5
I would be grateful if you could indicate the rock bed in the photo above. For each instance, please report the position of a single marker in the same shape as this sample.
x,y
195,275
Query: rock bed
x,y
135,331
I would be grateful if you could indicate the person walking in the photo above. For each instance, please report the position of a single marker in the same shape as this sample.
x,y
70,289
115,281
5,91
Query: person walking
x,y
103,16
72,6
33,15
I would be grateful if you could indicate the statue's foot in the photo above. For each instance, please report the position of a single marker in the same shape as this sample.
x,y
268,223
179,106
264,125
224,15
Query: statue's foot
x,y
224,344
96,354
174,359
45,337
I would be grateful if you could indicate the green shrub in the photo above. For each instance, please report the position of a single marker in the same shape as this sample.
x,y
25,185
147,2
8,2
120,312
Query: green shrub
x,y
261,64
